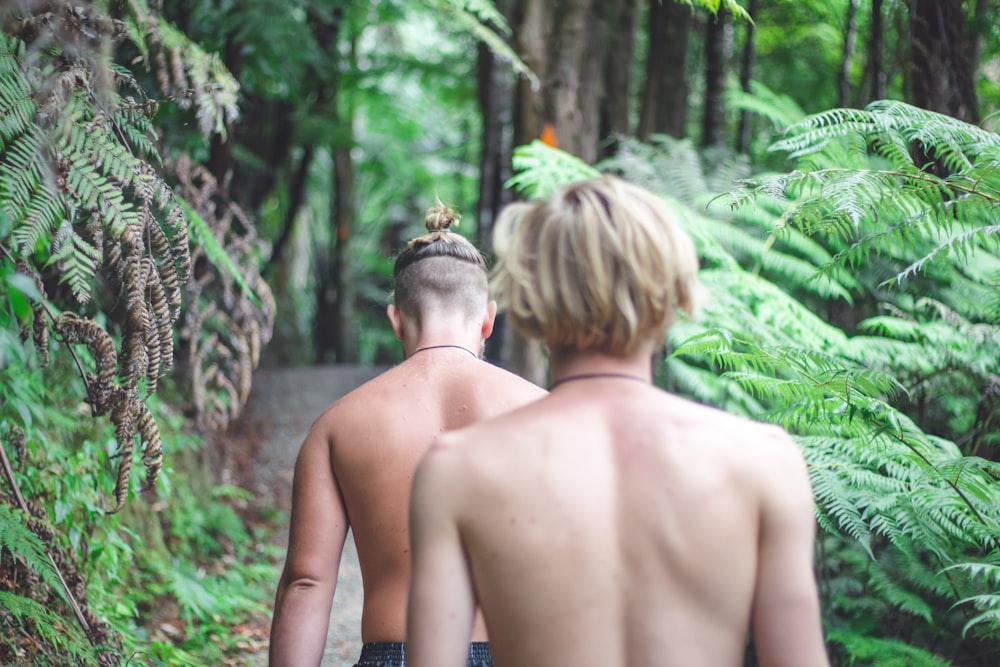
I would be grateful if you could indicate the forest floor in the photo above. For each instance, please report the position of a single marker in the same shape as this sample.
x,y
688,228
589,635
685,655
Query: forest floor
x,y
282,406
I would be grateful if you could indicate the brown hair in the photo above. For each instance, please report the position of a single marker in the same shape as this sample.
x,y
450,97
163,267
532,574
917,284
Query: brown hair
x,y
440,268
600,265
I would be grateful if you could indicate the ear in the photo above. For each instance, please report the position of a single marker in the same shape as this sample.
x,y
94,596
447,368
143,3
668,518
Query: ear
x,y
396,320
489,319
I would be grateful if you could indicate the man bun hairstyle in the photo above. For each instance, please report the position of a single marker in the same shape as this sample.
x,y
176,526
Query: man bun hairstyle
x,y
600,265
440,268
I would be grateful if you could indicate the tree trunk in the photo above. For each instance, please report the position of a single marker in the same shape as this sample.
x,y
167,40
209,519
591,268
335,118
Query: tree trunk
x,y
533,19
663,107
874,68
847,61
296,197
746,75
495,93
573,84
618,62
718,46
343,215
941,70
342,219
496,88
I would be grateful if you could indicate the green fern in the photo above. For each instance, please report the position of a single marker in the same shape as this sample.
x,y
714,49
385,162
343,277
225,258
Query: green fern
x,y
48,627
910,501
24,545
540,169
867,650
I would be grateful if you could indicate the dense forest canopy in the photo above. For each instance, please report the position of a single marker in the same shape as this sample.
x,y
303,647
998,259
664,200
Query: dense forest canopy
x,y
191,188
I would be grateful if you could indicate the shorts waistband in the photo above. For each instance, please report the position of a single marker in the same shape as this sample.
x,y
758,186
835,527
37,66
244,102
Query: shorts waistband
x,y
394,653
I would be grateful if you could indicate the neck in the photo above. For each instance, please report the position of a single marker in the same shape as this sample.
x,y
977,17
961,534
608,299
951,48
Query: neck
x,y
451,342
446,346
635,366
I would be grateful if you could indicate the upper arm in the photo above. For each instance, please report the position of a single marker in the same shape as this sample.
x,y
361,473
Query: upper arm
x,y
319,523
786,614
442,599
315,542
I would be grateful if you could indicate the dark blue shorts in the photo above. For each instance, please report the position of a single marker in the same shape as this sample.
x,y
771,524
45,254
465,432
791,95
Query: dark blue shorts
x,y
393,654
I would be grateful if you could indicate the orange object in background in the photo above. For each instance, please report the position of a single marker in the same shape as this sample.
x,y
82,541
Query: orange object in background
x,y
549,136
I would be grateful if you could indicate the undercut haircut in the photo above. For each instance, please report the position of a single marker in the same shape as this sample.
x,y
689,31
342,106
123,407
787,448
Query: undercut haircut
x,y
440,270
601,265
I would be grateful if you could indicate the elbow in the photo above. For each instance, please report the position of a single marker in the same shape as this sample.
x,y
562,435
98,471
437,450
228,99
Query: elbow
x,y
302,583
297,581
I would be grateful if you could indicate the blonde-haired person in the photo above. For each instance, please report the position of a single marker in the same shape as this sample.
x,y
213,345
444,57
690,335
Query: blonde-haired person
x,y
610,524
355,468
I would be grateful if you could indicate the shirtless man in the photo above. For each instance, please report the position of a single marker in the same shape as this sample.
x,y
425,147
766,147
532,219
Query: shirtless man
x,y
356,465
610,524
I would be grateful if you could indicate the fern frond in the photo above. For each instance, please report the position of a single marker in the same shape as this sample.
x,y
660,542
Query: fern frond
x,y
540,170
869,650
781,110
215,90
17,538
482,20
49,627
21,170
206,239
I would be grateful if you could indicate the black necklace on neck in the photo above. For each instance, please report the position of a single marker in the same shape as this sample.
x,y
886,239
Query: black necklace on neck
x,y
438,347
594,376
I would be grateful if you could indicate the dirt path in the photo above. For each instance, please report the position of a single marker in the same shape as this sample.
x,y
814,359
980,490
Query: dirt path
x,y
282,406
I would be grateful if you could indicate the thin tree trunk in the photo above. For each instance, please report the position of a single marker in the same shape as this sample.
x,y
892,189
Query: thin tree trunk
x,y
847,61
942,73
532,38
746,75
875,69
663,107
330,258
496,88
343,283
296,196
618,62
718,42
343,218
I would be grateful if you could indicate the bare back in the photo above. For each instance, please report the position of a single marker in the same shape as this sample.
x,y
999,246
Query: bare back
x,y
629,525
376,437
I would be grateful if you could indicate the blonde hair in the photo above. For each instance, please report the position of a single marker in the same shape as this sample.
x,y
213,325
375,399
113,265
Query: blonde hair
x,y
440,268
601,265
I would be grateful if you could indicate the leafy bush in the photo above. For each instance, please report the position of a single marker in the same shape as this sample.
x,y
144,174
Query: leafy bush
x,y
855,305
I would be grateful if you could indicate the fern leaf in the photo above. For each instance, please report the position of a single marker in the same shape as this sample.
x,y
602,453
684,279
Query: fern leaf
x,y
49,627
216,253
541,169
23,544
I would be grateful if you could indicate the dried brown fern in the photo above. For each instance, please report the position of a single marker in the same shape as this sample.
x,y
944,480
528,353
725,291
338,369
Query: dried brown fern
x,y
73,158
230,310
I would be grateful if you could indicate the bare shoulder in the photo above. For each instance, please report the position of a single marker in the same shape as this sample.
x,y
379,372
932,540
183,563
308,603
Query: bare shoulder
x,y
354,409
510,387
440,472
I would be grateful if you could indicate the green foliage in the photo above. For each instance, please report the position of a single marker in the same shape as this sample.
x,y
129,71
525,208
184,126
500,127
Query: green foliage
x,y
877,652
94,262
67,640
892,406
18,540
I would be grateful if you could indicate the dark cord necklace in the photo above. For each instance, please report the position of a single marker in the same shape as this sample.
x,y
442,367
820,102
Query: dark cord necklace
x,y
594,376
438,347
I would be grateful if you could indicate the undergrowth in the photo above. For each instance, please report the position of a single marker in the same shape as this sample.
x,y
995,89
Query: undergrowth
x,y
176,578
